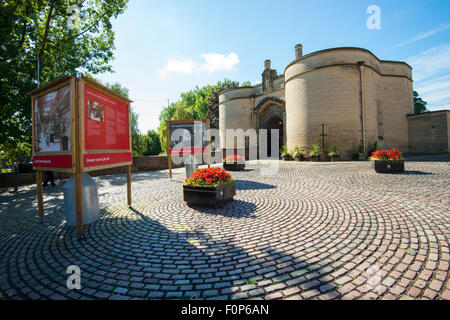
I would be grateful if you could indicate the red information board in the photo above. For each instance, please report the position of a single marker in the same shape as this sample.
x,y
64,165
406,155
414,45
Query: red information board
x,y
106,121
106,129
104,135
53,161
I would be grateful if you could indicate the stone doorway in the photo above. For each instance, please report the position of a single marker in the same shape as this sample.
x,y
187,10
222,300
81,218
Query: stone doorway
x,y
274,123
270,114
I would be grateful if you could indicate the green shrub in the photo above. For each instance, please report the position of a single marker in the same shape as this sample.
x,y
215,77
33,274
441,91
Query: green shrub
x,y
285,154
315,151
298,153
334,151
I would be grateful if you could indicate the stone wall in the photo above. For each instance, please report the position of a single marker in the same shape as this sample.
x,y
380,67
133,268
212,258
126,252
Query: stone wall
x,y
235,112
325,87
327,96
429,132
139,164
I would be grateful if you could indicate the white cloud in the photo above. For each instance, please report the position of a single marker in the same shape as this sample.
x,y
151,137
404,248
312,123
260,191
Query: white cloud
x,y
426,34
218,62
431,63
431,73
186,66
212,62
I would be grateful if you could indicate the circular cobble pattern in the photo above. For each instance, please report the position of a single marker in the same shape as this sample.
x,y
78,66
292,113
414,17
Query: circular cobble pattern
x,y
310,231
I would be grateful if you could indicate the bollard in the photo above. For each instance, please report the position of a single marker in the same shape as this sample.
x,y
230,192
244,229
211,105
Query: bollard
x,y
91,209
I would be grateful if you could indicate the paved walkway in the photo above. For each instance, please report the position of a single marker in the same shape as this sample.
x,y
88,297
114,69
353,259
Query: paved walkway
x,y
312,231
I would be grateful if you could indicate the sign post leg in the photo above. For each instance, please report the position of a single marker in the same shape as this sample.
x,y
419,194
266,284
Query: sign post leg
x,y
169,158
40,196
208,137
129,185
79,202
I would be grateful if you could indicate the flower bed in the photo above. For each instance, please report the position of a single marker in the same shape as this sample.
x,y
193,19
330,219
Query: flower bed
x,y
234,163
210,187
388,161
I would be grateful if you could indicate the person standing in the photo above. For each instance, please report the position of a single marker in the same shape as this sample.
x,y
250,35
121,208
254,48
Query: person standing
x,y
49,177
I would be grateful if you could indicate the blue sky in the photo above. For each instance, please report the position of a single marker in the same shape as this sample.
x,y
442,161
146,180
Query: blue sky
x,y
164,48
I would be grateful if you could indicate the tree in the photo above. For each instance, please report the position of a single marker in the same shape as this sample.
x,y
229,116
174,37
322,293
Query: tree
x,y
420,106
137,139
117,87
153,145
31,30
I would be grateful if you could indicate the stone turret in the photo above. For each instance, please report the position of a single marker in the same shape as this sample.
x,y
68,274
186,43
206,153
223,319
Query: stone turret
x,y
298,51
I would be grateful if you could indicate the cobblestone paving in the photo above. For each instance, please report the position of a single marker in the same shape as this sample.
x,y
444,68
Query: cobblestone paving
x,y
312,231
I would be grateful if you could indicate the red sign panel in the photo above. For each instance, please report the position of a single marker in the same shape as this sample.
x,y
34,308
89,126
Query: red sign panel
x,y
100,159
106,121
54,161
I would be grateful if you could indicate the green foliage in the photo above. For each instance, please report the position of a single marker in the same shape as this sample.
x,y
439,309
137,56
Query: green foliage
x,y
298,153
137,139
153,145
361,147
315,151
39,29
334,151
420,106
196,104
117,87
15,151
285,154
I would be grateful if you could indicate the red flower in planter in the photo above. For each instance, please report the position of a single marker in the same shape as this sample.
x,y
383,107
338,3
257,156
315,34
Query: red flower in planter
x,y
392,154
208,177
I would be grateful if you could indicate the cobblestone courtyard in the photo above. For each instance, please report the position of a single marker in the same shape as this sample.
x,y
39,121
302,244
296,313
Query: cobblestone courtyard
x,y
312,231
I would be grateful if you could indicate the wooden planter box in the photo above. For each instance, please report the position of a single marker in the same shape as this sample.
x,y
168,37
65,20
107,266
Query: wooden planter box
x,y
315,159
209,196
233,166
389,166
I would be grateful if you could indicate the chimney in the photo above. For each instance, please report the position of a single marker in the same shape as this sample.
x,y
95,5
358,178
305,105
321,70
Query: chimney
x,y
266,64
298,51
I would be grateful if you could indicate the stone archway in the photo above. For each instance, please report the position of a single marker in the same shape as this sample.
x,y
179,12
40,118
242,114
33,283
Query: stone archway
x,y
270,114
274,123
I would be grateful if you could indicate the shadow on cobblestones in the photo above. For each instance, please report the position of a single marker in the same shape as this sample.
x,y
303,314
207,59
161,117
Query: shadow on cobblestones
x,y
121,179
252,185
207,265
235,209
416,172
132,256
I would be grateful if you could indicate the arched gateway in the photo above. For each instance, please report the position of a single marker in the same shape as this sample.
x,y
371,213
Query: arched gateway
x,y
270,114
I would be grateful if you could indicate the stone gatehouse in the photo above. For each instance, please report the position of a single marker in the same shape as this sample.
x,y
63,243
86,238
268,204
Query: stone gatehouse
x,y
348,93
